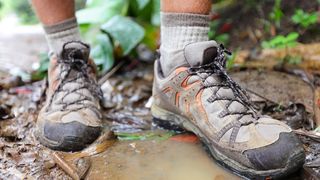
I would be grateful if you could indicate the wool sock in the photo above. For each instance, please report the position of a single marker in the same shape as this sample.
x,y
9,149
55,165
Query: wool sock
x,y
177,31
58,34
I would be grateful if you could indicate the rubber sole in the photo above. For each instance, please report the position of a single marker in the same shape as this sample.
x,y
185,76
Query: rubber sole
x,y
75,142
67,144
162,116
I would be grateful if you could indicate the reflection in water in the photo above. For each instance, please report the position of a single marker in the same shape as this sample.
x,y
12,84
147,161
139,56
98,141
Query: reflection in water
x,y
156,160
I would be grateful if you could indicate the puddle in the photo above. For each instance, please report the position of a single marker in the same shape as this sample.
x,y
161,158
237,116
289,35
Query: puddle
x,y
157,160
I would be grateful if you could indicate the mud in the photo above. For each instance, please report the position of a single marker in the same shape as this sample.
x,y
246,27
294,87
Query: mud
x,y
158,160
142,151
280,95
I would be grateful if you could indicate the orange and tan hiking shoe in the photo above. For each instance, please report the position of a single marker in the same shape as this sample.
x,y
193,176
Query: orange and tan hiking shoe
x,y
201,97
70,119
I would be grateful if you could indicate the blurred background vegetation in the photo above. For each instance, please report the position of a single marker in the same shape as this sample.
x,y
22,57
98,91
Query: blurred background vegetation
x,y
129,29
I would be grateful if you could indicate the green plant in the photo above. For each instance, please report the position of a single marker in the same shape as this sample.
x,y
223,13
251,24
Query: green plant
x,y
281,41
116,27
304,19
231,59
215,32
42,67
21,8
276,14
294,60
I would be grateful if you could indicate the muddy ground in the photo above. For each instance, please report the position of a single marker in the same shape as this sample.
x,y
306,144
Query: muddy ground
x,y
138,149
142,151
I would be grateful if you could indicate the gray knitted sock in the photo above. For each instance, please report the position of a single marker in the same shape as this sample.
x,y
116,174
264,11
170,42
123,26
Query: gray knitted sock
x,y
178,30
60,33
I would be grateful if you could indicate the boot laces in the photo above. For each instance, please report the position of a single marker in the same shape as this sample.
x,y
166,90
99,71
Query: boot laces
x,y
218,68
82,80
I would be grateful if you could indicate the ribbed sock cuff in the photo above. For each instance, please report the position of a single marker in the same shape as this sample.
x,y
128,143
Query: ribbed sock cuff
x,y
184,19
59,34
180,29
177,31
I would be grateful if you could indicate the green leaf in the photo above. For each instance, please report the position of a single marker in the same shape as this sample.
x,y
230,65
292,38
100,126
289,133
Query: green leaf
x,y
292,36
96,3
282,41
155,19
304,19
102,53
142,3
41,72
100,13
125,31
223,38
151,35
145,135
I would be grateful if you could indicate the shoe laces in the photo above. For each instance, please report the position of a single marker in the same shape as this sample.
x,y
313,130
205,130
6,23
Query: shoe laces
x,y
218,68
72,63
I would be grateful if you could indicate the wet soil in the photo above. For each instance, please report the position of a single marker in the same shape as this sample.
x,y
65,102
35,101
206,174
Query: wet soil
x,y
140,150
148,154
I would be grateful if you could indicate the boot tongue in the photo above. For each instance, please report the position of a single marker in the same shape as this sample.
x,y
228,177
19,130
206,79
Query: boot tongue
x,y
200,53
76,50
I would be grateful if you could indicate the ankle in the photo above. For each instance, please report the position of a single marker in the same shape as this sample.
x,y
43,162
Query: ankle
x,y
177,31
59,34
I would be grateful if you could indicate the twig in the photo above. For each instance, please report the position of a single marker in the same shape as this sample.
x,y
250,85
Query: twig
x,y
314,136
110,73
69,169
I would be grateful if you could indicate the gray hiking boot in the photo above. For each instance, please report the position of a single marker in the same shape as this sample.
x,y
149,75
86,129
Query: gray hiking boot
x,y
71,118
202,98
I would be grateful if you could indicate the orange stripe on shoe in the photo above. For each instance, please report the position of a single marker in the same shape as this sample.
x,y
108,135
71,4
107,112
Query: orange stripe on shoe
x,y
177,99
186,86
167,89
200,105
179,70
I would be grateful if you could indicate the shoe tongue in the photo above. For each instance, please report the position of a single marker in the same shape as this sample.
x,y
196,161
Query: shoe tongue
x,y
76,49
200,53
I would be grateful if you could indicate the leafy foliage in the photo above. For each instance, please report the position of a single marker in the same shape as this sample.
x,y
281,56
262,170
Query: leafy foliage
x,y
304,19
125,31
281,41
42,69
116,27
218,31
22,8
294,60
276,13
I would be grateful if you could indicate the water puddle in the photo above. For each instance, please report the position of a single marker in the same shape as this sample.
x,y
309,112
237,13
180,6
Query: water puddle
x,y
157,160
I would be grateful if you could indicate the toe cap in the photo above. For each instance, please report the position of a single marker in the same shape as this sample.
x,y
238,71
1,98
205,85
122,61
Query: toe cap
x,y
73,136
286,151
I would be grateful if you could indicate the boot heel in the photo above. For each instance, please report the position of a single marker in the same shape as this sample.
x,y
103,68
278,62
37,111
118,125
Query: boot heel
x,y
165,119
165,124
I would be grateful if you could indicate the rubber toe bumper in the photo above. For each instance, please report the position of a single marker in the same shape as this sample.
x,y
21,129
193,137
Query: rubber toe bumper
x,y
286,153
72,136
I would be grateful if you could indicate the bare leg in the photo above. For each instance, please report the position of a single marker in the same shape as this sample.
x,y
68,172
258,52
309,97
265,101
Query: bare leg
x,y
52,12
186,6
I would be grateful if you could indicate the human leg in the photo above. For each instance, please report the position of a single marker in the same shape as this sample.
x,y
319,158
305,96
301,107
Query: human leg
x,y
193,90
70,119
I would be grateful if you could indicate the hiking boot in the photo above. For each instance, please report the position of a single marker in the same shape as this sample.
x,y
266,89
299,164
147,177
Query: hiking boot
x,y
70,119
201,97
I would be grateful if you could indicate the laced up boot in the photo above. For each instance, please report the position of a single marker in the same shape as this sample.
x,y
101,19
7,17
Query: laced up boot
x,y
70,119
202,98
